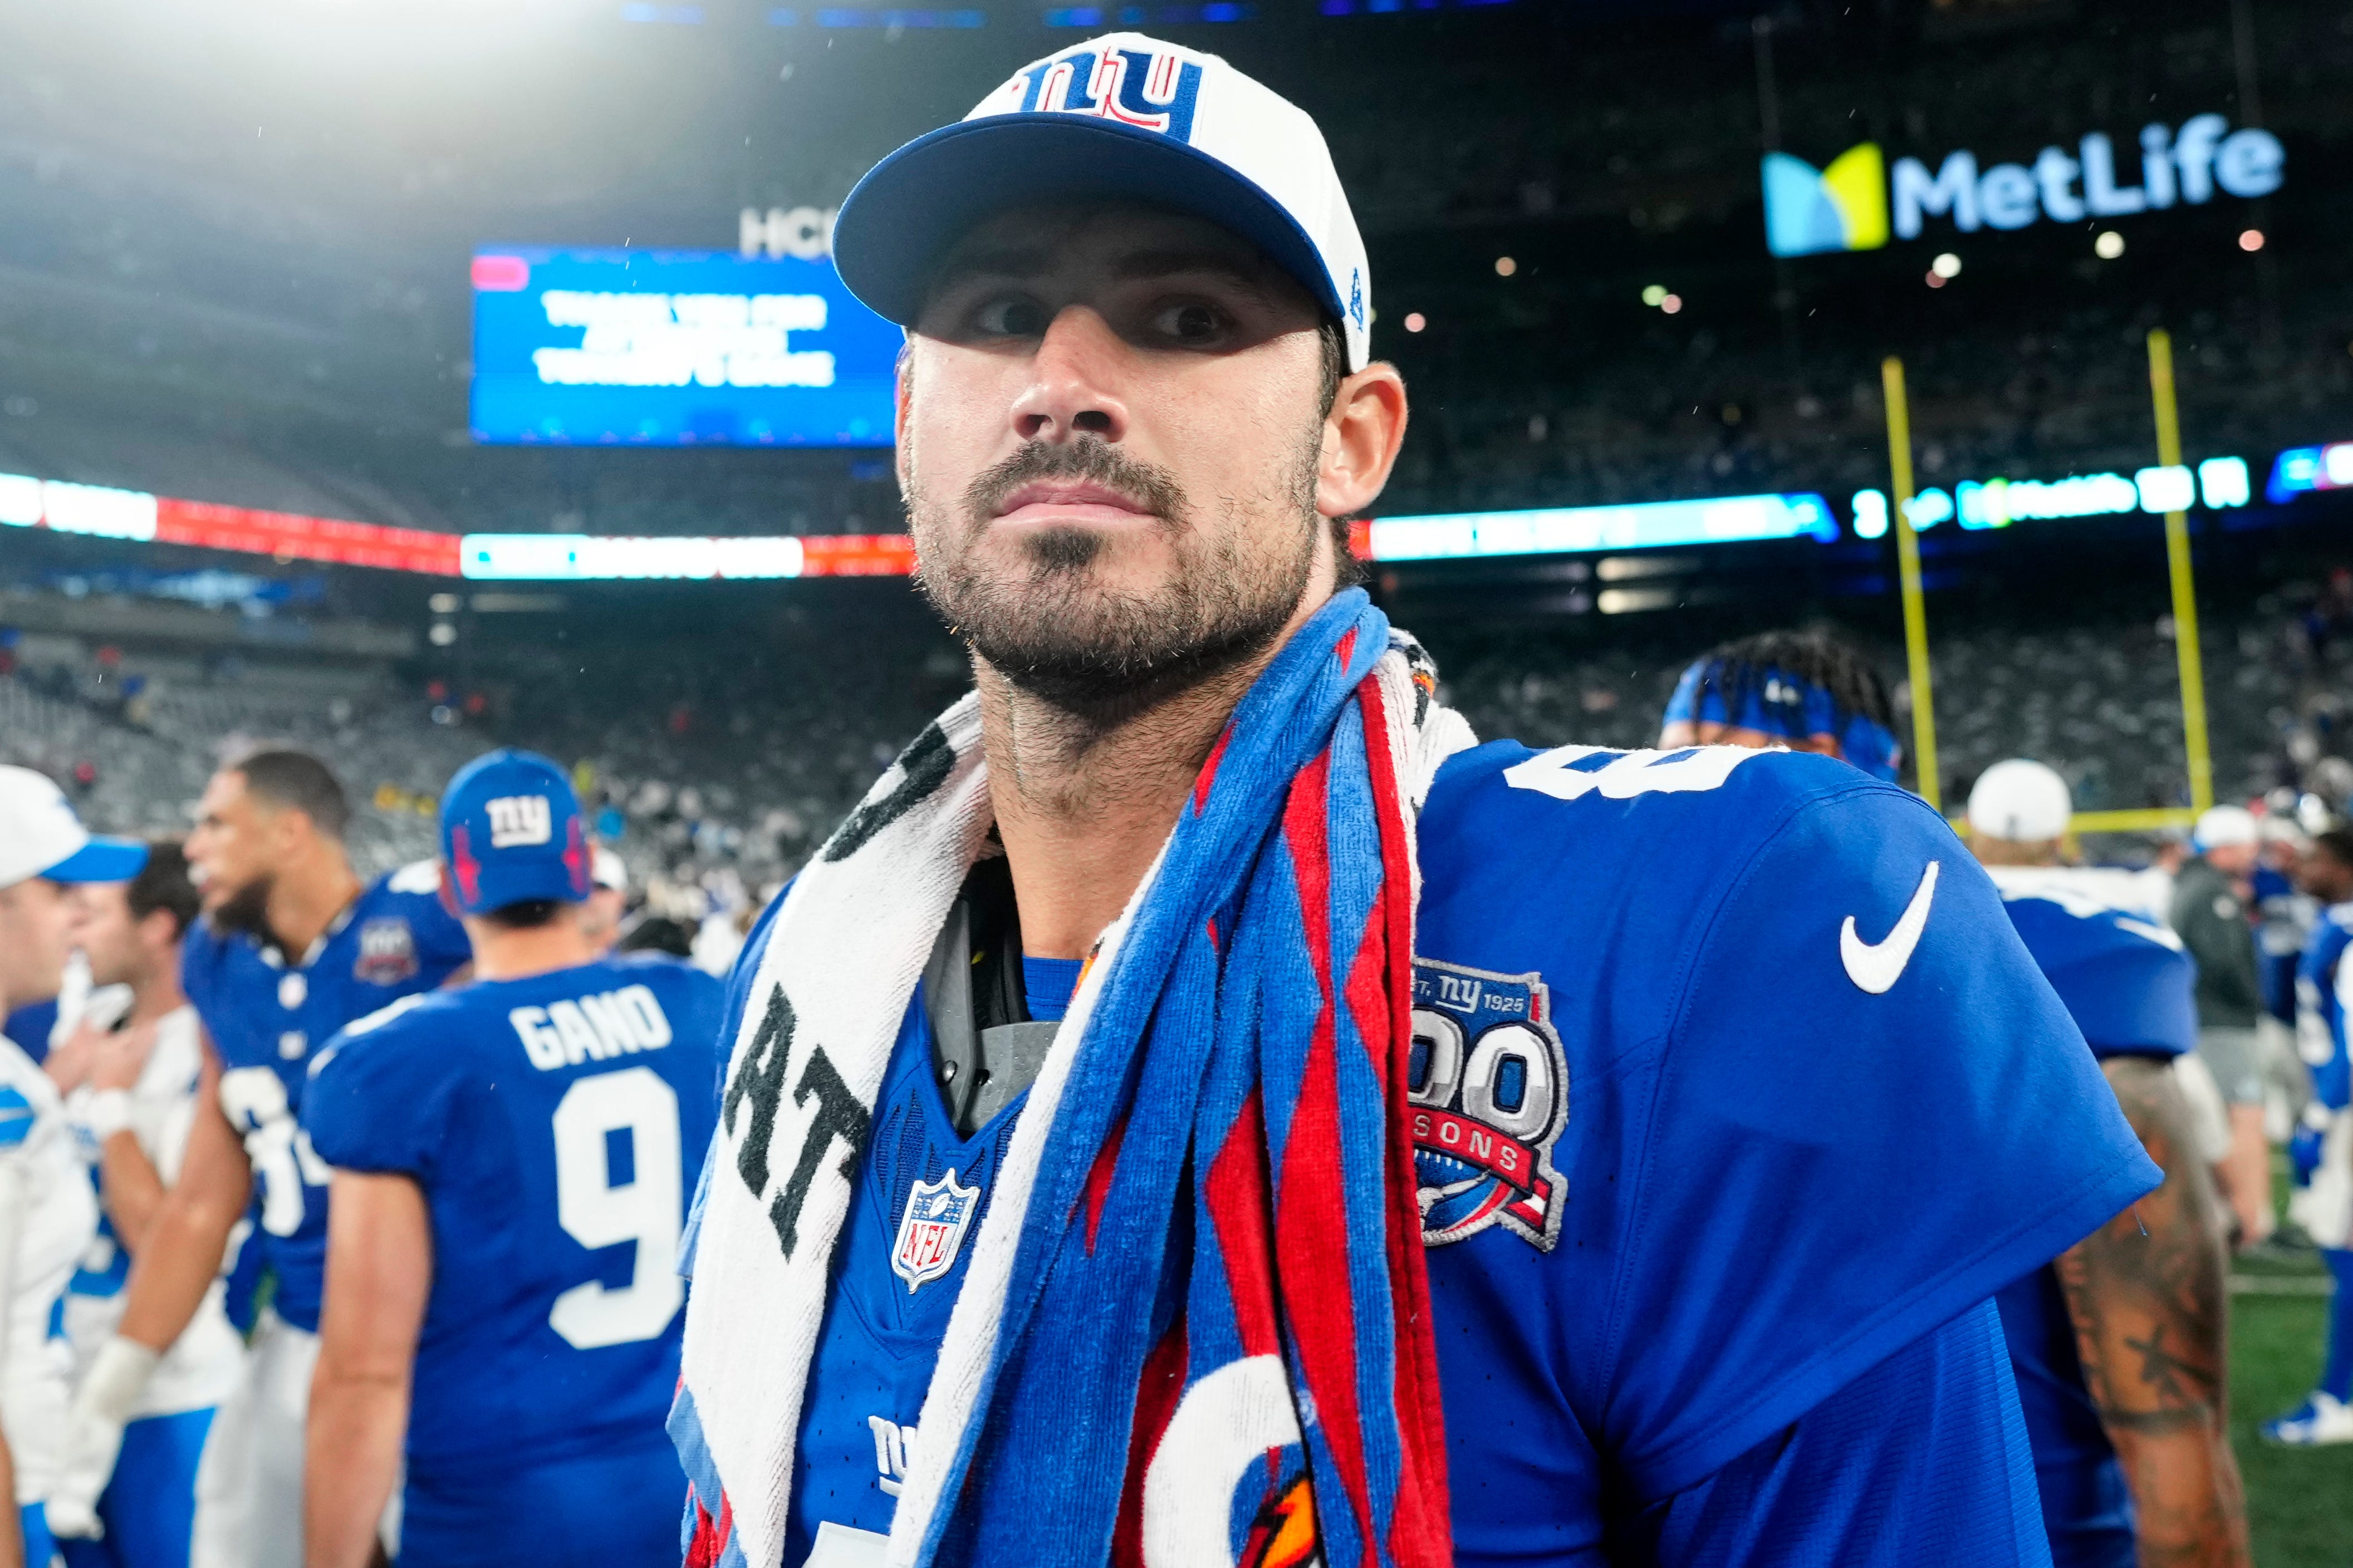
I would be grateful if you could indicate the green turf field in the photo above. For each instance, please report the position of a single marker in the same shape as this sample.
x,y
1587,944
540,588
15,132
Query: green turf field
x,y
2299,1500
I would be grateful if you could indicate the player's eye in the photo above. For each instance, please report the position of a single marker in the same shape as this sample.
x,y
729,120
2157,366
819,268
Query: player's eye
x,y
1190,322
1012,316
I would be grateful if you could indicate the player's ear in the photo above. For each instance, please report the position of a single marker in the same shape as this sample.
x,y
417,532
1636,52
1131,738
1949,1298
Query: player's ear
x,y
1361,438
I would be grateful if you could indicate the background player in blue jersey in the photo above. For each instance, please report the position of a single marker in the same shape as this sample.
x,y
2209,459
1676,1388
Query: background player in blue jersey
x,y
2322,1151
292,947
1805,691
512,1159
1732,1098
2119,1346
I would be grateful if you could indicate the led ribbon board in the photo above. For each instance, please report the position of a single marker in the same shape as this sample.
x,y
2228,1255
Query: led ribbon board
x,y
585,558
2304,468
1572,530
676,348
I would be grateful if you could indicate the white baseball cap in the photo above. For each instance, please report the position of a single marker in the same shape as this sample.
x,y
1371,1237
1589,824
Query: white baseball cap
x,y
2221,827
40,837
1121,116
607,870
2023,801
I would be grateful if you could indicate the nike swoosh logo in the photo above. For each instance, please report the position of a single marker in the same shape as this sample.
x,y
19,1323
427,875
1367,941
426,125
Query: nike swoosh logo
x,y
1876,966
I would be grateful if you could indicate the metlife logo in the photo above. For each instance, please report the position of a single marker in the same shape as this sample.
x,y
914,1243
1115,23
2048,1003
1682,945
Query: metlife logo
x,y
1844,207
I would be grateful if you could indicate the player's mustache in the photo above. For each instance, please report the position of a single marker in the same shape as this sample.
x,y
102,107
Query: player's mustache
x,y
1088,458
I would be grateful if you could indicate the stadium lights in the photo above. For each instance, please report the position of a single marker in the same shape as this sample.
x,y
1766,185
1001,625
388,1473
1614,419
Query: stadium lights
x,y
2303,469
1671,303
1655,294
1415,320
1505,266
2109,245
1575,530
2251,239
1946,264
2217,483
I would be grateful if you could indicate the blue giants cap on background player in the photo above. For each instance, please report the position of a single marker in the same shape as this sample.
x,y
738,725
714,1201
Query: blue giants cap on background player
x,y
1118,118
512,833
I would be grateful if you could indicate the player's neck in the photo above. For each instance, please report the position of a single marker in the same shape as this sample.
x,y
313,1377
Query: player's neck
x,y
157,993
1083,804
305,899
503,952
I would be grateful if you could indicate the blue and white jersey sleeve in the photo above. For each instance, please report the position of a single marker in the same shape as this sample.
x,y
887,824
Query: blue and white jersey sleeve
x,y
2122,975
2324,989
1870,1113
378,1099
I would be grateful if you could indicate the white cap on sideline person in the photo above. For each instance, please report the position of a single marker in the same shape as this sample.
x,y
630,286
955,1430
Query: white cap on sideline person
x,y
2023,801
2222,827
40,837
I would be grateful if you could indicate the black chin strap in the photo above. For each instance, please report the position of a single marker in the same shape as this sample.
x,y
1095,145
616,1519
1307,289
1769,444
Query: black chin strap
x,y
985,1050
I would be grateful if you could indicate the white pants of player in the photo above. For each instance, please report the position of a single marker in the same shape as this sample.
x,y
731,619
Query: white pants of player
x,y
2325,1208
250,1483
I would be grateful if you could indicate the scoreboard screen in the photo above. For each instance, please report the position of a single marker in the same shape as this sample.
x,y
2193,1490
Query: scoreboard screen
x,y
668,348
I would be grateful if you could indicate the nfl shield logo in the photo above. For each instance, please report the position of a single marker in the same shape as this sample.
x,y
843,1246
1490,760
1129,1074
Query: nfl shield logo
x,y
932,1230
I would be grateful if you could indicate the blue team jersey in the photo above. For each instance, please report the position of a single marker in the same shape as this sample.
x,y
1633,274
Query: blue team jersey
x,y
2131,988
1732,1086
267,1014
2320,983
550,1122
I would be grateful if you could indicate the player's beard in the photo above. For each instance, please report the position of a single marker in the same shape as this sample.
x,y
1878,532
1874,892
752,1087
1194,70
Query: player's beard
x,y
246,910
1056,631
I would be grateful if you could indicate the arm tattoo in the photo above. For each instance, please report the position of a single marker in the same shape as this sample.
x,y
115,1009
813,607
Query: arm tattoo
x,y
2147,1294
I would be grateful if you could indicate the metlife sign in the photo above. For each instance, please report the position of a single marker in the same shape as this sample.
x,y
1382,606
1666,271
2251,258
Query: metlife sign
x,y
1858,201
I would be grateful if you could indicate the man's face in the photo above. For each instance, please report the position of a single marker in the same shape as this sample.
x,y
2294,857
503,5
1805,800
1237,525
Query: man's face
x,y
233,850
2231,860
102,927
2325,877
1110,435
35,938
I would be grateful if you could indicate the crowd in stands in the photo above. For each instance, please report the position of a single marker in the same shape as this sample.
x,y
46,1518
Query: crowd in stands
x,y
715,779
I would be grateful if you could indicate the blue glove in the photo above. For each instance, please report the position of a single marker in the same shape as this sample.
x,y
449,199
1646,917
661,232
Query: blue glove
x,y
2303,1153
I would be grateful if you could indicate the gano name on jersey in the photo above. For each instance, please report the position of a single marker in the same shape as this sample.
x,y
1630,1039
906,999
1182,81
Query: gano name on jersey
x,y
555,1123
1731,1081
267,1014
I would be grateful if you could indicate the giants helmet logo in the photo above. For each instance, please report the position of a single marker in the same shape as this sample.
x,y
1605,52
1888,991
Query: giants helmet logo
x,y
1489,1091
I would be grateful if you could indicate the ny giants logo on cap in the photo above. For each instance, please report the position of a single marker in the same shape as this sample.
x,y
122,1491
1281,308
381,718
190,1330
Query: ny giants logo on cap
x,y
518,819
1154,90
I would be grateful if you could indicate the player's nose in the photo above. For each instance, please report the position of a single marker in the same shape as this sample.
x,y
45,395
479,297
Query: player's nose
x,y
1069,393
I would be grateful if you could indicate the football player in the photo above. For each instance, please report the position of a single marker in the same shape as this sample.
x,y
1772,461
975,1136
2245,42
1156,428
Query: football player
x,y
137,1055
512,1159
1732,1096
2321,1153
2119,1345
1805,691
2210,910
47,1211
292,946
